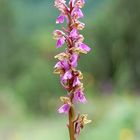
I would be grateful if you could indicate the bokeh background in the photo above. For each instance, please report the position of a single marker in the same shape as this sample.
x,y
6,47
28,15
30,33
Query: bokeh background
x,y
29,91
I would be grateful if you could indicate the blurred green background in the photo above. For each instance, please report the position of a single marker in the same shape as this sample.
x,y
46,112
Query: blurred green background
x,y
29,91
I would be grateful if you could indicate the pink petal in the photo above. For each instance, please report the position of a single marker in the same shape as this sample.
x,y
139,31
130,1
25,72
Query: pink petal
x,y
60,19
60,42
84,47
63,82
74,33
79,13
64,108
65,65
76,82
79,96
58,65
74,59
67,75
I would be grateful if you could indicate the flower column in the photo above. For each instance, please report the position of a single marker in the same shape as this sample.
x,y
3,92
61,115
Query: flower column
x,y
70,77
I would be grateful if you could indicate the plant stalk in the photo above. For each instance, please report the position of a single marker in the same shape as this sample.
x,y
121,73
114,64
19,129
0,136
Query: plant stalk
x,y
71,124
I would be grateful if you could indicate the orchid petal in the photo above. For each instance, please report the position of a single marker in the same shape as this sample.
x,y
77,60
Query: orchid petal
x,y
67,75
64,109
74,33
76,82
60,19
79,96
60,42
84,47
74,59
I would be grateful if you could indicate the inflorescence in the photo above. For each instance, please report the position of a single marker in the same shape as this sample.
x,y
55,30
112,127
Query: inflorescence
x,y
70,77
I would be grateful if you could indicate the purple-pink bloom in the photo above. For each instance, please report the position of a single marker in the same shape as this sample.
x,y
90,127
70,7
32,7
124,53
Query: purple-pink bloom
x,y
84,47
79,96
74,59
67,75
62,65
76,81
74,33
77,12
60,42
65,65
63,81
60,19
64,108
58,65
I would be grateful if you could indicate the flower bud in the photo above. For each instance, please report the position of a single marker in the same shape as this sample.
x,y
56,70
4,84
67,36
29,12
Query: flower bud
x,y
62,56
80,3
79,25
57,34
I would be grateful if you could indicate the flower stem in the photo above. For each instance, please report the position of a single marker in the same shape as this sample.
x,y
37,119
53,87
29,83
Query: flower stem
x,y
71,124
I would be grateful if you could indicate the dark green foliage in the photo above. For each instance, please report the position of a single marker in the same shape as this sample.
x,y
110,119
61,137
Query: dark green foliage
x,y
117,52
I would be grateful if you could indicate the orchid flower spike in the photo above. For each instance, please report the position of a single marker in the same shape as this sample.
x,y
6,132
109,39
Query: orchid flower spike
x,y
70,77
